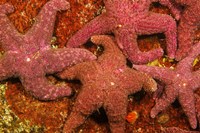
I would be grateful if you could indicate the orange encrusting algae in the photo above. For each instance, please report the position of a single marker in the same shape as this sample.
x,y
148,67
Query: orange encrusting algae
x,y
132,117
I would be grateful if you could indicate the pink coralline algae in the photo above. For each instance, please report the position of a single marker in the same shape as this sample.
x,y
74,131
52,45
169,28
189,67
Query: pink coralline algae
x,y
107,83
30,56
127,19
180,83
189,22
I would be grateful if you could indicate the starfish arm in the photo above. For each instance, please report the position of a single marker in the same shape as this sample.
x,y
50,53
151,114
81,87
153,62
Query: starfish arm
x,y
83,71
166,99
195,80
42,30
187,101
185,38
107,42
166,25
141,80
5,69
74,120
100,25
40,88
164,74
127,41
84,106
184,2
116,110
149,84
111,49
74,71
176,130
187,62
6,9
55,60
197,97
9,36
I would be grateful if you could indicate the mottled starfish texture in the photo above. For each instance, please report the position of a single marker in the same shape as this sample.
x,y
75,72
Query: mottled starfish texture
x,y
127,19
197,97
189,22
30,56
177,130
107,83
180,83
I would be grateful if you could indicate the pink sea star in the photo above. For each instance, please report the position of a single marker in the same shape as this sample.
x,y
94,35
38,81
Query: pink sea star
x,y
106,82
189,22
30,56
127,19
180,83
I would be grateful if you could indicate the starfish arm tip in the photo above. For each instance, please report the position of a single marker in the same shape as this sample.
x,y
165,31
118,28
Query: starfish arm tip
x,y
6,8
60,4
58,92
153,113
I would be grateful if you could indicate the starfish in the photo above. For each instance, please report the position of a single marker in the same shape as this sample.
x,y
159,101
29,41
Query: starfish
x,y
30,57
189,22
180,83
177,130
127,19
107,83
197,97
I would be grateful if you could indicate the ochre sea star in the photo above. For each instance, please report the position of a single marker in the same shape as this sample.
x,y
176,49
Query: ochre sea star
x,y
189,22
30,56
177,130
106,82
198,108
180,83
127,19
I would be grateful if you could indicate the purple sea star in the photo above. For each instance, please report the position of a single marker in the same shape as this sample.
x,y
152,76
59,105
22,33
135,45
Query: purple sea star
x,y
177,130
106,82
189,22
180,83
127,19
197,97
30,56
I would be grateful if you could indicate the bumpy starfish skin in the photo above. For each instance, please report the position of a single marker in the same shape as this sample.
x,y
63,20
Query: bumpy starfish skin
x,y
180,83
30,56
106,82
177,130
189,22
127,19
198,108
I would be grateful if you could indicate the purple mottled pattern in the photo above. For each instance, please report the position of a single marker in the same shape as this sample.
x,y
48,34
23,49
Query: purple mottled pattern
x,y
107,83
189,22
198,108
177,130
180,84
127,19
30,56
